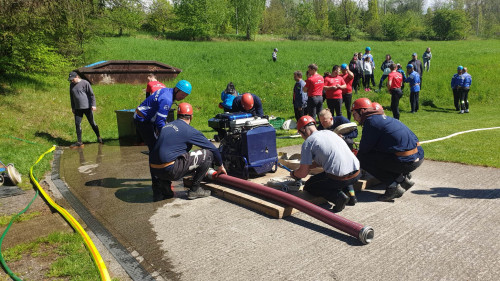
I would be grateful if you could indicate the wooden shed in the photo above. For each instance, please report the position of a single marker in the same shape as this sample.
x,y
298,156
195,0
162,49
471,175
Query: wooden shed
x,y
126,71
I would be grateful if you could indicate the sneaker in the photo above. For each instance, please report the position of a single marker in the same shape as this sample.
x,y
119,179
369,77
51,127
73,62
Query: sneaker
x,y
77,145
393,191
198,193
340,202
352,201
461,112
407,183
377,91
99,140
466,111
369,90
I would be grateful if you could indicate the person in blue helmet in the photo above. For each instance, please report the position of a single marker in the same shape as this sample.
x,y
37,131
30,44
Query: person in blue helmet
x,y
385,67
414,81
464,91
151,115
372,62
388,149
455,84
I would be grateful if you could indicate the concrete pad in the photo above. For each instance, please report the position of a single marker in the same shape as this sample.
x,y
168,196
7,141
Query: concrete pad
x,y
444,228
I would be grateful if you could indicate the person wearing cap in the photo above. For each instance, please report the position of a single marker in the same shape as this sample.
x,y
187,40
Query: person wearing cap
x,y
327,150
171,158
153,85
82,103
249,103
334,86
394,82
414,81
464,91
275,54
456,81
314,88
299,96
417,66
388,149
227,96
372,62
386,70
348,77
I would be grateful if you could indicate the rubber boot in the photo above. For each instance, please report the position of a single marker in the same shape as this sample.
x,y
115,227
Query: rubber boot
x,y
404,181
340,202
394,190
162,189
352,195
198,192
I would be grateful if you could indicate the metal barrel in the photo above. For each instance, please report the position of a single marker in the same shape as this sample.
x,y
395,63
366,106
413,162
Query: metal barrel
x,y
364,233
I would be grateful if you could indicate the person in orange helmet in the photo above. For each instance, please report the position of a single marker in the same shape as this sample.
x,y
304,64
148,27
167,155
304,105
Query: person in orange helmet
x,y
249,103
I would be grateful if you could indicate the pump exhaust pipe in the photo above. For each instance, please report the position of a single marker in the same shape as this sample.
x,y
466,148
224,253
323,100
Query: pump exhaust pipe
x,y
364,233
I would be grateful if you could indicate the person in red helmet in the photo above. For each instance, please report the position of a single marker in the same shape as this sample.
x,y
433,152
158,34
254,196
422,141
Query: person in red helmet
x,y
328,150
249,103
377,105
388,149
172,158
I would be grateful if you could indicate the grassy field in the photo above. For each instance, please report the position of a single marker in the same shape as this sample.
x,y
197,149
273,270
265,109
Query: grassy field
x,y
35,109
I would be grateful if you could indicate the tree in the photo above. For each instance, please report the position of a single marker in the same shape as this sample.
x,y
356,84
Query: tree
x,y
249,14
273,19
321,12
450,24
350,13
372,21
306,19
160,16
124,14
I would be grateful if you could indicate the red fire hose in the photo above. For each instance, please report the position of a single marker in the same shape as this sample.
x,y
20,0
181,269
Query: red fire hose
x,y
363,233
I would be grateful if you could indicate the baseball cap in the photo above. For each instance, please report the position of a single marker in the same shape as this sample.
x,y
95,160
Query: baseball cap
x,y
343,66
414,54
409,66
368,49
460,67
72,75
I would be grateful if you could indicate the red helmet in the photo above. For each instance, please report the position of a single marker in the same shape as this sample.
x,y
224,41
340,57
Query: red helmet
x,y
361,103
376,105
247,101
304,121
185,109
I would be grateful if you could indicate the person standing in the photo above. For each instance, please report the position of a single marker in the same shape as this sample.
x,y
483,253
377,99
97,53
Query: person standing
x,y
299,96
400,70
367,72
334,85
359,64
368,54
314,88
417,66
153,85
388,149
327,150
348,77
427,56
82,103
356,71
275,54
455,87
172,158
464,91
414,81
394,82
386,70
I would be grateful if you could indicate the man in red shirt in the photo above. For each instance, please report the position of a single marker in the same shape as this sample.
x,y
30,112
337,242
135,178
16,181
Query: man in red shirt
x,y
153,85
314,88
348,77
334,85
394,81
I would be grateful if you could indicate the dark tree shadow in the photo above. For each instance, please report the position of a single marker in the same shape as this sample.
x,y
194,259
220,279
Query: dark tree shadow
x,y
119,183
435,108
458,193
50,138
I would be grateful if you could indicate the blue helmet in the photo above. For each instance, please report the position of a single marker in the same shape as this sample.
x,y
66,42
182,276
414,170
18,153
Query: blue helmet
x,y
184,86
368,49
409,66
343,66
460,67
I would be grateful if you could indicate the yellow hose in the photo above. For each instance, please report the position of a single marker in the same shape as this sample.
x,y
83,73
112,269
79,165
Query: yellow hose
x,y
74,223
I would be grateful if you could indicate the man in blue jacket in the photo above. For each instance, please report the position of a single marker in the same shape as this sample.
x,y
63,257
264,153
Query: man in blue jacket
x,y
299,96
414,81
172,158
464,91
248,103
388,150
455,84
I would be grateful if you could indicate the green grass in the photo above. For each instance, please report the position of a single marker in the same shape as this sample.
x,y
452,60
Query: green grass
x,y
5,220
36,108
72,261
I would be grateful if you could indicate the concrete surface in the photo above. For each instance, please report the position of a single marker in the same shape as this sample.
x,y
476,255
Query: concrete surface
x,y
444,228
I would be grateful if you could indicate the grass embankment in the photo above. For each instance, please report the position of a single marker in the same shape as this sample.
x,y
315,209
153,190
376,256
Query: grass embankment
x,y
36,108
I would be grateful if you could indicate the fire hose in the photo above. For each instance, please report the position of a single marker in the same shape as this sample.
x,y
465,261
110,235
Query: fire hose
x,y
364,233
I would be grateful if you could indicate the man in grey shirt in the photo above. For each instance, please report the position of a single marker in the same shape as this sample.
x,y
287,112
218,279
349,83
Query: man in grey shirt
x,y
328,150
82,102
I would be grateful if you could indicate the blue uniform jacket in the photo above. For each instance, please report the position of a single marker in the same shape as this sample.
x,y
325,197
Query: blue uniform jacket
x,y
467,80
155,108
255,111
177,138
299,97
414,80
387,135
456,80
337,121
227,100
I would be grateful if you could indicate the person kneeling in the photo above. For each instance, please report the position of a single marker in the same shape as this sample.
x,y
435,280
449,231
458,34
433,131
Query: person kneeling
x,y
328,150
171,158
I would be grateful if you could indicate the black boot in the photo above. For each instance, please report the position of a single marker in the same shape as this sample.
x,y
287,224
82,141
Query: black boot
x,y
162,189
198,192
352,201
404,181
394,190
340,202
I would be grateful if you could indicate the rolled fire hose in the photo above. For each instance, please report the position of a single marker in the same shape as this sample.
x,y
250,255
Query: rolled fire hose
x,y
364,233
